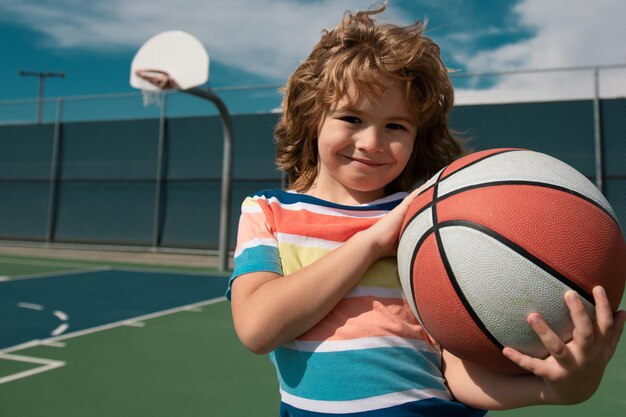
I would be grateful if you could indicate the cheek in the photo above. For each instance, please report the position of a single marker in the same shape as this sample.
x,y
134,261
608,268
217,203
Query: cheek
x,y
325,152
402,152
332,141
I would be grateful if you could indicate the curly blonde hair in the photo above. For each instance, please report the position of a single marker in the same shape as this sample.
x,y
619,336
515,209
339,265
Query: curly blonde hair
x,y
365,54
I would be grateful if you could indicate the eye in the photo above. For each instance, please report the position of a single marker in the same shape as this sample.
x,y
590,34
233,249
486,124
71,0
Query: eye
x,y
396,126
350,119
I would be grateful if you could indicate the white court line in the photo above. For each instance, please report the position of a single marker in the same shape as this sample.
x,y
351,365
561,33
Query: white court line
x,y
55,344
132,323
30,306
60,330
55,341
70,264
57,313
141,268
104,327
114,268
46,365
125,321
60,273
60,315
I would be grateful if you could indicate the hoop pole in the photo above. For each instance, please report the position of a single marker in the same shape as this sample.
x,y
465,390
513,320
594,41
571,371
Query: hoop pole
x,y
597,130
227,160
54,173
158,186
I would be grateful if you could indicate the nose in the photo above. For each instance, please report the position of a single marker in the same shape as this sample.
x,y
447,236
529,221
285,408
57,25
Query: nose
x,y
370,140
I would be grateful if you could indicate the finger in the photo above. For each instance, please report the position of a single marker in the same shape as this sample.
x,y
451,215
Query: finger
x,y
583,326
604,313
412,196
618,328
530,364
403,207
553,343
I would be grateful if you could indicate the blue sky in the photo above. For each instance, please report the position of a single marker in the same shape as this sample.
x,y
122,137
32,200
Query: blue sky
x,y
261,42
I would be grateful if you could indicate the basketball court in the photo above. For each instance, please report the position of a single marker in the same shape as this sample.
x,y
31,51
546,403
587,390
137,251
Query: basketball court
x,y
109,338
87,337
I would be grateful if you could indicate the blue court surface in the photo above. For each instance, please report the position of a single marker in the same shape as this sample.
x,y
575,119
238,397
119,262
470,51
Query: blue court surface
x,y
56,305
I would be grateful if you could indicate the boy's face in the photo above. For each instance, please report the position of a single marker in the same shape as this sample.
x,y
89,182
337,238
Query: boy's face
x,y
363,146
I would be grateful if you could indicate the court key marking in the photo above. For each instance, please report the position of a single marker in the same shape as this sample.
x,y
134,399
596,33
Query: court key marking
x,y
46,365
62,316
57,341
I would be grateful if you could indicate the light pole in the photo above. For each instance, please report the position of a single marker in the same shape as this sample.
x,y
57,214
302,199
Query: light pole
x,y
42,78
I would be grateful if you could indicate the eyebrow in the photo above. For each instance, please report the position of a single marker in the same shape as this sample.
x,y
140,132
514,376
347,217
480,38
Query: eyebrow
x,y
406,120
351,109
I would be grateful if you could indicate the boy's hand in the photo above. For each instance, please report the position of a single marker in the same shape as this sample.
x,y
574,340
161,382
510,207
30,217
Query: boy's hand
x,y
386,232
574,370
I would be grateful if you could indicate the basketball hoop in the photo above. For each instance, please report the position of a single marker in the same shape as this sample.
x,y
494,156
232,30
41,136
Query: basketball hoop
x,y
171,60
176,60
153,83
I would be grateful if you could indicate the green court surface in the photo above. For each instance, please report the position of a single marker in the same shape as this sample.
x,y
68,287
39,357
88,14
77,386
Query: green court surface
x,y
184,364
181,362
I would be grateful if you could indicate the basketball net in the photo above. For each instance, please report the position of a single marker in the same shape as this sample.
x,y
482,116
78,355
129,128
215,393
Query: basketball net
x,y
154,78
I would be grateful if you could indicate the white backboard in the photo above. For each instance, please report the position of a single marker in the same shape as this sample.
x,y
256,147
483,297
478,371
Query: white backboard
x,y
179,54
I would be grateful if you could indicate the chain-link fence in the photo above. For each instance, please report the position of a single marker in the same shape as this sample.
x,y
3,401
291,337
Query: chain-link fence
x,y
539,85
126,106
106,170
514,86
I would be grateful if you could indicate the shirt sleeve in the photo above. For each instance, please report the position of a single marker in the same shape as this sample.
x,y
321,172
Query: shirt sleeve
x,y
257,247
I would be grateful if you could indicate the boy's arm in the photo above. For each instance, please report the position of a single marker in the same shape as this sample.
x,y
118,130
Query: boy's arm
x,y
571,374
269,309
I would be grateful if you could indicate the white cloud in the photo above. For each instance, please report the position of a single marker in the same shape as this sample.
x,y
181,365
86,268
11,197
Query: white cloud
x,y
567,33
268,38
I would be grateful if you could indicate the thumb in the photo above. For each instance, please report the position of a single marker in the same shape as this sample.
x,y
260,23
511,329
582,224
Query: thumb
x,y
618,328
409,199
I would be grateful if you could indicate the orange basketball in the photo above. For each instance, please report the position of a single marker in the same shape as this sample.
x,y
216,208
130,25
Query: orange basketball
x,y
500,234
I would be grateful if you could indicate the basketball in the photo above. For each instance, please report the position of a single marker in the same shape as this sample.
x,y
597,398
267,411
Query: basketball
x,y
500,234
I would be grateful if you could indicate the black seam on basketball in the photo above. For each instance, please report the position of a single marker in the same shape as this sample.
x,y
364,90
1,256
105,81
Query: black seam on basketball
x,y
534,184
416,249
450,273
480,160
426,189
417,213
419,243
426,206
435,200
468,307
521,251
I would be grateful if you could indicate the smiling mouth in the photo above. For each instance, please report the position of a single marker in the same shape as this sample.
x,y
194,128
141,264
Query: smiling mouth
x,y
367,162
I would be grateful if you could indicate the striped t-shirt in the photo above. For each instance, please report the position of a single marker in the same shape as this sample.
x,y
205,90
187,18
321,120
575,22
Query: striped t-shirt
x,y
369,356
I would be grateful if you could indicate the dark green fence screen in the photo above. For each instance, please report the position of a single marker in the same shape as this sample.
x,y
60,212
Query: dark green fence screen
x,y
131,183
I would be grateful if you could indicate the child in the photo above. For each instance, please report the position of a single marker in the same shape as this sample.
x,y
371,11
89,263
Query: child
x,y
315,280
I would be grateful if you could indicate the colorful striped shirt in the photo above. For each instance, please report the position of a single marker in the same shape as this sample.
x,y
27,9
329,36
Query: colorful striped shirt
x,y
369,356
